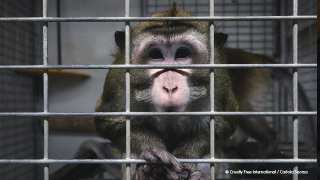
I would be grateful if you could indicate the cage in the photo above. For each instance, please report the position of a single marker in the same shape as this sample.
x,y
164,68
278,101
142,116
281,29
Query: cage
x,y
76,41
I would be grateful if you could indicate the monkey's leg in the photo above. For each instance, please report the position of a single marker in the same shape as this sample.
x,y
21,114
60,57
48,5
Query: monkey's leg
x,y
257,128
238,137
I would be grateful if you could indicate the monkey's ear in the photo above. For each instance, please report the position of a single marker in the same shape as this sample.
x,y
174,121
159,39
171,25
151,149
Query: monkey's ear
x,y
220,38
120,39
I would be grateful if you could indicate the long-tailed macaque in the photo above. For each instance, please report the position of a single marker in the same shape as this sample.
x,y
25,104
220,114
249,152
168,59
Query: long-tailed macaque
x,y
166,138
251,87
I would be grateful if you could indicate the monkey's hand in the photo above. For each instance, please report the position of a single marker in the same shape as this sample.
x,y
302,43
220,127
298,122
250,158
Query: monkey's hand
x,y
169,169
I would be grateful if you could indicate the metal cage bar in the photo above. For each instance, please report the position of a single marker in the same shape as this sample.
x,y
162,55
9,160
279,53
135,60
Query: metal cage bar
x,y
212,168
194,66
122,161
140,19
295,86
101,114
45,91
127,19
127,49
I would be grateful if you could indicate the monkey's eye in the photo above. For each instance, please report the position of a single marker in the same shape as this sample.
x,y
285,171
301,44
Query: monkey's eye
x,y
156,54
182,53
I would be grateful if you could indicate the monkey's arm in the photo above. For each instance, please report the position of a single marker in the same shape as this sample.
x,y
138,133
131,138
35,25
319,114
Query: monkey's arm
x,y
194,146
142,137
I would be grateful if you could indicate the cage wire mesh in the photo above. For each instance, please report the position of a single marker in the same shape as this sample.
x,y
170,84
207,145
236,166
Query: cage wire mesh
x,y
20,43
20,137
307,52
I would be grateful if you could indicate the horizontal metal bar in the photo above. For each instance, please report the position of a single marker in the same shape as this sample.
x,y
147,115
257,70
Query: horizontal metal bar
x,y
143,66
137,19
101,114
120,161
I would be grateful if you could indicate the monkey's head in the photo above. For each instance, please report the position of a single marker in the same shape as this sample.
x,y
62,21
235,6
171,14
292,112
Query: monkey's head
x,y
171,42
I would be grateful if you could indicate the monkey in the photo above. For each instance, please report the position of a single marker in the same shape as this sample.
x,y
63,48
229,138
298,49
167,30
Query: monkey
x,y
166,138
251,85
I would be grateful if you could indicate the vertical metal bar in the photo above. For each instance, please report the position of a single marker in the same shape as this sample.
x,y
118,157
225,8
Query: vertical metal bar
x,y
59,34
295,86
212,90
197,8
156,6
142,8
265,27
276,87
45,90
237,23
251,26
127,49
283,59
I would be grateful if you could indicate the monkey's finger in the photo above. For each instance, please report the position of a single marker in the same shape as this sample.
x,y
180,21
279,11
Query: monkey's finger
x,y
154,172
149,156
167,158
146,168
146,172
140,175
184,174
198,175
157,169
171,174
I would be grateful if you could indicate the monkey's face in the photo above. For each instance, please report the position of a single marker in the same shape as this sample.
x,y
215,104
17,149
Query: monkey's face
x,y
172,90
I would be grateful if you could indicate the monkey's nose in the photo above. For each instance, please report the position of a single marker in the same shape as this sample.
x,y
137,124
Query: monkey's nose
x,y
170,89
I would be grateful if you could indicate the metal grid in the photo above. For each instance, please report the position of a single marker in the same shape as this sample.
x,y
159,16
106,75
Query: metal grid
x,y
46,114
307,54
20,137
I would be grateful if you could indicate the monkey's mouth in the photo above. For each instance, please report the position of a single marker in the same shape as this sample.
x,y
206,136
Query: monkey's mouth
x,y
180,108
